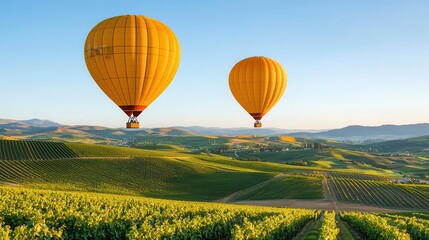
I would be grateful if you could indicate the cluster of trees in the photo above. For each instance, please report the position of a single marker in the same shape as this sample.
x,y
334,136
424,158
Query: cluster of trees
x,y
260,147
314,145
220,149
300,163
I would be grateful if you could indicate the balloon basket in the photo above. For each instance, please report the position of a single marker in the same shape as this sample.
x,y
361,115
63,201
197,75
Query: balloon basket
x,y
133,122
133,125
257,124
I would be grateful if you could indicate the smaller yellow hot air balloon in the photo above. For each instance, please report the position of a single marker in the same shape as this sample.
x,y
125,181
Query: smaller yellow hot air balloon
x,y
257,83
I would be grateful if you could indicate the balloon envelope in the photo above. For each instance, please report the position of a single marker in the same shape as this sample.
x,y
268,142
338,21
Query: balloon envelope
x,y
132,59
257,83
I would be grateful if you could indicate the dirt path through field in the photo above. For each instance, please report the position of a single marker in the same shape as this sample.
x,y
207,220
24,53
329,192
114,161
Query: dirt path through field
x,y
233,196
317,204
329,202
10,184
328,194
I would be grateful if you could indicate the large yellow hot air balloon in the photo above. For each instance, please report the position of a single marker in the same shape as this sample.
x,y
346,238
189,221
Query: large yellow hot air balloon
x,y
132,59
257,83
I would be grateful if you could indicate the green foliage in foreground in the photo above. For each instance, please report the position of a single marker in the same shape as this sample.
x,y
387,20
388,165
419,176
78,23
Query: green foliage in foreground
x,y
418,228
35,214
290,187
329,226
374,227
311,232
280,226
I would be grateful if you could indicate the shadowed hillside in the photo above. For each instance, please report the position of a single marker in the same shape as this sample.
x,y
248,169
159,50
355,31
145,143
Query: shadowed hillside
x,y
410,145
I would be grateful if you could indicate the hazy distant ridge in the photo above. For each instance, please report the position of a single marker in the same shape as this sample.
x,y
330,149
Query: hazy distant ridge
x,y
384,132
46,129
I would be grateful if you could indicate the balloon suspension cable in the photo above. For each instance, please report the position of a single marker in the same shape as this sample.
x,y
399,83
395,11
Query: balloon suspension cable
x,y
133,119
257,124
133,122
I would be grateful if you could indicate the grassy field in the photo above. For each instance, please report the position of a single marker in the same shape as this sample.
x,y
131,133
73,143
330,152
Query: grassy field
x,y
279,157
381,193
290,187
34,150
188,142
291,151
165,171
94,150
169,178
335,158
410,145
178,173
173,174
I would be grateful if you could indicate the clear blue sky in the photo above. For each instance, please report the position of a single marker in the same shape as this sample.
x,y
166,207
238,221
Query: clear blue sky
x,y
348,62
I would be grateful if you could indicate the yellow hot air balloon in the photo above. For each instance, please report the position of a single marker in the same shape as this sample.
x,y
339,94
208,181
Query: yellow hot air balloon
x,y
132,59
257,83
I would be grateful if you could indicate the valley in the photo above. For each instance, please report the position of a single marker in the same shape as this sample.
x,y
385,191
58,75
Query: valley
x,y
268,171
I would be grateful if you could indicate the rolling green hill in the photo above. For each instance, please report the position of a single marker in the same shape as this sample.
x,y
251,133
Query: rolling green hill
x,y
289,187
331,158
410,145
34,150
380,193
164,174
174,172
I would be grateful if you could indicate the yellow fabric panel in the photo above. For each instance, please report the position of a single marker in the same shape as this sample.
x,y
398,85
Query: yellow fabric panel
x,y
159,85
132,58
272,87
169,67
265,74
96,63
109,62
95,73
162,69
242,86
173,53
130,53
235,85
119,41
280,86
248,74
257,83
106,24
121,79
152,60
254,88
99,59
121,22
141,55
278,81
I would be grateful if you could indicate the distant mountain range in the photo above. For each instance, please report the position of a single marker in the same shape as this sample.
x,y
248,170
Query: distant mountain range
x,y
212,131
45,129
367,134
410,145
28,123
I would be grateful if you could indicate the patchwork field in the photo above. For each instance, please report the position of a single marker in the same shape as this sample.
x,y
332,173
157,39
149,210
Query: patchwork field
x,y
178,172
